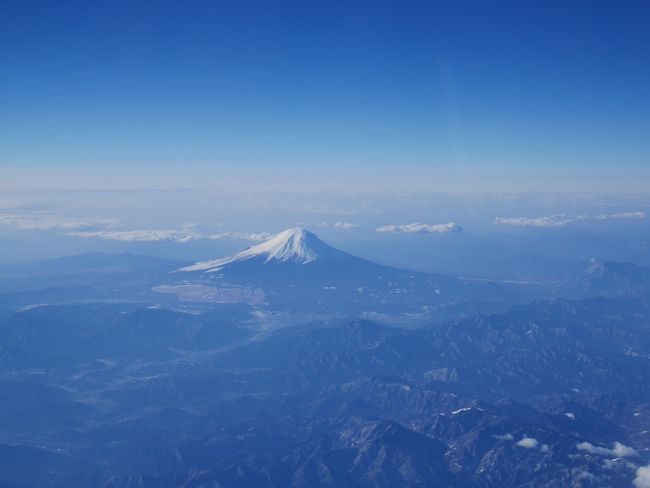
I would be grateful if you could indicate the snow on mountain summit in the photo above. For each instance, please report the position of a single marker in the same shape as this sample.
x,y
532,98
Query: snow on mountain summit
x,y
295,245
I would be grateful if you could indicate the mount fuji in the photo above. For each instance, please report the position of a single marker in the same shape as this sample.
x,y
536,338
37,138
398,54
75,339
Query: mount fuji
x,y
289,247
295,270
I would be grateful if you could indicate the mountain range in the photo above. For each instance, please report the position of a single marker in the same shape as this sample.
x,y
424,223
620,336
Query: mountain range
x,y
548,394
264,369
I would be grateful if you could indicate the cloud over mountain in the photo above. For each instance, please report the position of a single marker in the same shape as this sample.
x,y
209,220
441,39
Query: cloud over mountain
x,y
642,479
618,450
528,443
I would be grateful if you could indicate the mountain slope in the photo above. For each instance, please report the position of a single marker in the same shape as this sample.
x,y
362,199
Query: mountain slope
x,y
613,278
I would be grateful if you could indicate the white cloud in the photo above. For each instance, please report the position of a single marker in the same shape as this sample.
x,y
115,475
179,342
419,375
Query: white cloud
x,y
339,225
562,220
618,450
642,479
557,220
624,215
345,225
528,443
417,228
245,236
108,229
53,222
504,437
151,235
185,234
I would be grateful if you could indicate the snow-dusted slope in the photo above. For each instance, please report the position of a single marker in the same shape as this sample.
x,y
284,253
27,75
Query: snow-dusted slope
x,y
292,245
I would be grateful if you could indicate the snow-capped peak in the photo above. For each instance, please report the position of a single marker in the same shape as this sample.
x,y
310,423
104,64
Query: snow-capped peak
x,y
291,244
296,245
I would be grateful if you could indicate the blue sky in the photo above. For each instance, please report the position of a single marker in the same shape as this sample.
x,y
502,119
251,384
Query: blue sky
x,y
509,94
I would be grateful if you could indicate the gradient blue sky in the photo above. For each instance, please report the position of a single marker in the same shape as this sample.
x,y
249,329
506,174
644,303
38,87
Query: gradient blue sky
x,y
412,94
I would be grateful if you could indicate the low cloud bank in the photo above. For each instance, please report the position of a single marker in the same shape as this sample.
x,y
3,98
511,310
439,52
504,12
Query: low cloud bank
x,y
54,222
168,235
562,220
